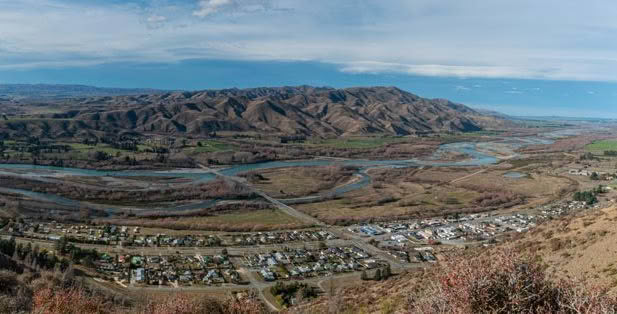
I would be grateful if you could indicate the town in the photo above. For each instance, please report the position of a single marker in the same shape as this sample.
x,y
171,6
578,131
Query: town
x,y
273,256
413,240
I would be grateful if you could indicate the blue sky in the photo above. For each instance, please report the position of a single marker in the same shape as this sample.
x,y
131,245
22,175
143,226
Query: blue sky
x,y
525,57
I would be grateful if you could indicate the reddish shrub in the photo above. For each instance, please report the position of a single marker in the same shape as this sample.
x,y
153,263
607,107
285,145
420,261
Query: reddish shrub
x,y
69,301
187,305
505,283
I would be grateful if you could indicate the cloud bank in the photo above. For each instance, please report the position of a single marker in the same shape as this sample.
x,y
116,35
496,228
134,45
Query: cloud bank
x,y
558,40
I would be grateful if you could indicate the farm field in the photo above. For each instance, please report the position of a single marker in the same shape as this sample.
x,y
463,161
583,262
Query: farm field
x,y
360,142
209,146
599,147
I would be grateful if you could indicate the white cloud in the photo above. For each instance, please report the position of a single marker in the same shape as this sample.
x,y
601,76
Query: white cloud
x,y
474,38
208,7
437,69
156,19
461,88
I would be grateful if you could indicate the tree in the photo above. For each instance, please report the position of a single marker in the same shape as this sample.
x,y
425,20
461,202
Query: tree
x,y
587,156
364,276
387,272
377,274
100,156
224,252
8,247
589,197
61,245
88,261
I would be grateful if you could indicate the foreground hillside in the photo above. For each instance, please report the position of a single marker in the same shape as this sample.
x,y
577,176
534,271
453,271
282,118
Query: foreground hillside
x,y
306,111
578,246
563,266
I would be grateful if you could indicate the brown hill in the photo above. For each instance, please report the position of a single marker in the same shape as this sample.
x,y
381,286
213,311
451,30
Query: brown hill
x,y
578,246
570,259
300,110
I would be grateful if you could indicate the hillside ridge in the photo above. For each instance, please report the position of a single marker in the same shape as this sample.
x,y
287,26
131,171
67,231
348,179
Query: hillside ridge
x,y
302,110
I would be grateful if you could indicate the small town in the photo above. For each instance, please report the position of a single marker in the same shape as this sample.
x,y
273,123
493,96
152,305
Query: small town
x,y
300,263
134,236
172,270
472,228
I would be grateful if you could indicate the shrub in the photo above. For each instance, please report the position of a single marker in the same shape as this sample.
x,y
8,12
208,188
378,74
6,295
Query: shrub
x,y
185,305
14,296
506,283
51,300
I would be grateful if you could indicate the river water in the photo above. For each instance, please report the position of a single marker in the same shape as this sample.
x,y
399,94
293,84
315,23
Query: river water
x,y
477,153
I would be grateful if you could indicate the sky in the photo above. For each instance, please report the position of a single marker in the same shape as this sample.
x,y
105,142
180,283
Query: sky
x,y
524,57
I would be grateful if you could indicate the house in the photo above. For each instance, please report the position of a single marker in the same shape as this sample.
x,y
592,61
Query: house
x,y
268,275
139,275
370,263
317,267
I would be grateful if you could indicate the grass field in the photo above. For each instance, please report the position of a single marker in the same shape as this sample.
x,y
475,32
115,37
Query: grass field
x,y
364,142
80,151
211,146
602,146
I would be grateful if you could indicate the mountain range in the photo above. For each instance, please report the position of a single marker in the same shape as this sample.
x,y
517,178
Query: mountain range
x,y
302,110
52,91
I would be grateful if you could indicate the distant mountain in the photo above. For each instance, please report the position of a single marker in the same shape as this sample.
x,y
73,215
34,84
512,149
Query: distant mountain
x,y
493,113
51,91
303,110
564,119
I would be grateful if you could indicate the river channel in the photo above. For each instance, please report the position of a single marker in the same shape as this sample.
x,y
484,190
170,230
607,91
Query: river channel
x,y
476,154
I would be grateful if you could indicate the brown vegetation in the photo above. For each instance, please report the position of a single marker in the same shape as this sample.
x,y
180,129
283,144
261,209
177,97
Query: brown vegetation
x,y
503,282
217,189
237,218
218,209
294,111
298,182
498,281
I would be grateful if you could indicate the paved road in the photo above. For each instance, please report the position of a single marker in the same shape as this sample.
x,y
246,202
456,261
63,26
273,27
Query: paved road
x,y
259,286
